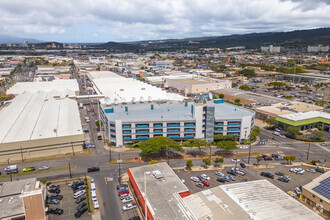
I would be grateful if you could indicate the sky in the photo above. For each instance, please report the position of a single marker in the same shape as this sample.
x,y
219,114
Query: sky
x,y
84,21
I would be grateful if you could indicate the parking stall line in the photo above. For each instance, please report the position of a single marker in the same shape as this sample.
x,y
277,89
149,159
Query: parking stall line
x,y
105,180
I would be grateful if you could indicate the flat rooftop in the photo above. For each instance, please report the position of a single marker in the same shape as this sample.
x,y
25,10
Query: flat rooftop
x,y
212,203
32,116
263,201
61,85
171,110
306,115
118,89
11,203
290,108
320,187
164,201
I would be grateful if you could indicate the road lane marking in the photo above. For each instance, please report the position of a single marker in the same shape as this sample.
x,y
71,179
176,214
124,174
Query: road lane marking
x,y
105,180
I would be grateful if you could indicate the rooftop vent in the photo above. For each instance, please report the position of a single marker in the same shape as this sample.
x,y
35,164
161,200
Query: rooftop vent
x,y
158,174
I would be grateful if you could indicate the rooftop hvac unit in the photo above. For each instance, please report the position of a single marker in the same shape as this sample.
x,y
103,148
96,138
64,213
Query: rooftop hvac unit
x,y
157,174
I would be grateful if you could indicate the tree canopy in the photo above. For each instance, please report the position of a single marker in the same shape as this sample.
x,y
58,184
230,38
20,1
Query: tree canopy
x,y
293,131
196,142
249,73
227,145
272,121
318,134
244,87
158,145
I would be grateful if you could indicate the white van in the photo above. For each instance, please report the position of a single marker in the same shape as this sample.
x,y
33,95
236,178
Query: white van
x,y
94,197
78,194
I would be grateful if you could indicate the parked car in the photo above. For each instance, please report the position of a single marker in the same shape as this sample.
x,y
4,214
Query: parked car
x,y
231,172
124,188
123,193
79,188
297,190
234,160
54,190
219,173
268,158
129,207
243,180
221,180
122,185
56,186
200,178
93,180
81,206
72,183
311,170
75,185
279,173
28,169
96,205
232,178
80,199
55,196
55,211
201,185
43,168
242,165
93,169
195,179
79,213
128,199
243,147
78,194
205,183
206,177
89,144
266,174
319,169
125,196
324,144
283,179
53,201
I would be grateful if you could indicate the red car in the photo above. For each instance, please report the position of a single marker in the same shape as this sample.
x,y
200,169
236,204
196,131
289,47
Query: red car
x,y
205,183
268,158
123,193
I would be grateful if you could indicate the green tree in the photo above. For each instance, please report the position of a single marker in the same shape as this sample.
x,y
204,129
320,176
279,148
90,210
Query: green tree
x,y
244,87
234,85
249,73
289,97
317,134
217,137
189,164
289,158
278,85
272,121
259,158
227,145
237,100
159,145
196,142
320,102
207,161
98,123
292,131
221,96
218,160
292,158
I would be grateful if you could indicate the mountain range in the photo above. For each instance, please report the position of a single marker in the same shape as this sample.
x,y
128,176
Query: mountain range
x,y
4,39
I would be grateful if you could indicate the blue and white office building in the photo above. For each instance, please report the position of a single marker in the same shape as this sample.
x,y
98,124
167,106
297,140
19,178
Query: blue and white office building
x,y
129,123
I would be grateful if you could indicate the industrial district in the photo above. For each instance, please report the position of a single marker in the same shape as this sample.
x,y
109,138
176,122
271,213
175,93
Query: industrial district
x,y
199,134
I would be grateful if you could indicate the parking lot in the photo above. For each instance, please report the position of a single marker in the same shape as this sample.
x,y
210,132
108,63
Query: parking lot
x,y
68,205
251,174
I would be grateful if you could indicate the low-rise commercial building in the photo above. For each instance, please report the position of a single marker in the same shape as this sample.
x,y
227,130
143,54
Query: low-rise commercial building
x,y
316,194
23,199
129,123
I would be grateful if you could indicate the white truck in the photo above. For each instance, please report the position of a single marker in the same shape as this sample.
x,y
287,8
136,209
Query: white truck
x,y
11,169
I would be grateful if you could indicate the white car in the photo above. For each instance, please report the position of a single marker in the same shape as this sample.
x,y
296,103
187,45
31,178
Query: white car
x,y
282,136
125,196
183,181
129,207
96,204
43,168
78,194
206,177
234,160
92,180
195,179
128,199
93,187
310,170
243,147
219,173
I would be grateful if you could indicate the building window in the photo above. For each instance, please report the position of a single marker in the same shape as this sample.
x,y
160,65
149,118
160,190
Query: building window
x,y
313,196
321,200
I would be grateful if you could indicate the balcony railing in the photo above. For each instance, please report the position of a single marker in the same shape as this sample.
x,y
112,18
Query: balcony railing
x,y
126,132
142,132
173,136
142,138
127,138
142,126
158,126
189,130
126,127
233,129
189,136
233,124
189,125
158,131
173,131
173,126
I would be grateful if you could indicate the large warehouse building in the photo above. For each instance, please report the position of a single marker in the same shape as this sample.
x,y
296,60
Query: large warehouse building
x,y
40,124
129,123
168,198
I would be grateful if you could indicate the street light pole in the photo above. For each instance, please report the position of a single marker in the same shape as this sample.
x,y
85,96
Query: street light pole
x,y
70,169
145,197
11,179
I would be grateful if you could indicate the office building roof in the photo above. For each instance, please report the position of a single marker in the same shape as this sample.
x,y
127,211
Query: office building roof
x,y
118,89
171,111
32,116
263,200
306,115
164,201
65,86
320,186
289,108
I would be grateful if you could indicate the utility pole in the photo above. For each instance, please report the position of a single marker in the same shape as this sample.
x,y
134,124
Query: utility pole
x,y
11,179
145,197
72,149
70,169
22,155
110,154
309,146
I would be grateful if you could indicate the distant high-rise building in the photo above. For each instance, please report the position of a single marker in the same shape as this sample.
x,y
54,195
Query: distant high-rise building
x,y
319,48
26,43
271,49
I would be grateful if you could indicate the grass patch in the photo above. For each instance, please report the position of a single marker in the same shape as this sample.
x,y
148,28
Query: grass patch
x,y
37,172
87,195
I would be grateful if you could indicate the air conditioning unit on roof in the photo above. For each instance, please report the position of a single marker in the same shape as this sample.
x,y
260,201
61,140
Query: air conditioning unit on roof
x,y
157,174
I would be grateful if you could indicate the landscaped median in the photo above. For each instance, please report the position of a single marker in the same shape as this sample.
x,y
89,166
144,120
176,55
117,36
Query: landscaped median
x,y
37,172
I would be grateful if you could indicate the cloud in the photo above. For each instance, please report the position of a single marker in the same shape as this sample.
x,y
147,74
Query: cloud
x,y
127,20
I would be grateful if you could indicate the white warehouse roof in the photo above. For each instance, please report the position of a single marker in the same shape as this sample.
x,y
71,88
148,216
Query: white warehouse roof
x,y
306,115
60,85
119,89
32,116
